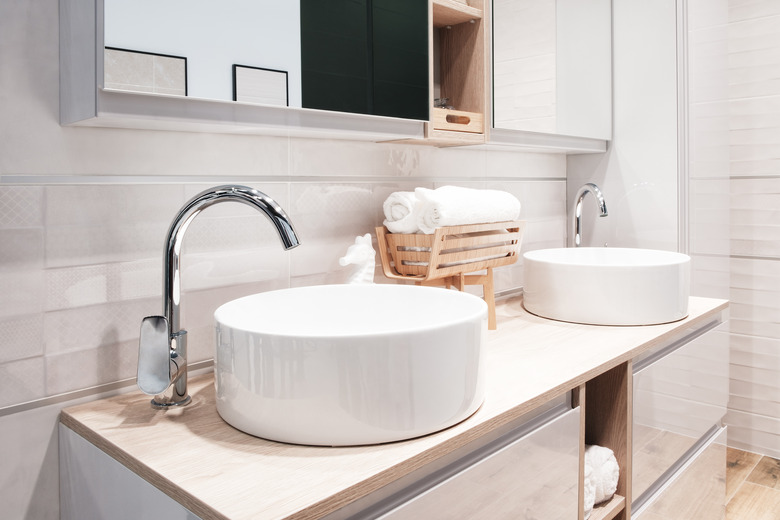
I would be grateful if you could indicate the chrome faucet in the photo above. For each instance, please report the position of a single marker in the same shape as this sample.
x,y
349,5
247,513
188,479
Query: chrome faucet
x,y
162,354
577,210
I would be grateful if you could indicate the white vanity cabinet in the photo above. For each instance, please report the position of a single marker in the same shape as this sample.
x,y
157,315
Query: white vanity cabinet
x,y
95,485
680,394
696,491
533,474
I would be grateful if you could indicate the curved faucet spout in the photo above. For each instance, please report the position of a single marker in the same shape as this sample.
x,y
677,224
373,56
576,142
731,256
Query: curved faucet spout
x,y
577,210
162,357
201,201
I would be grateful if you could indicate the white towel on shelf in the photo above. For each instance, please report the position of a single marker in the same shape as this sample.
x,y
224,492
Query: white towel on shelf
x,y
399,209
589,491
455,206
601,464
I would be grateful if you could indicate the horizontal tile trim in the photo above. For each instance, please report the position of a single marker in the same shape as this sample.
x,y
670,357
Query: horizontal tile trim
x,y
94,390
753,177
56,180
755,257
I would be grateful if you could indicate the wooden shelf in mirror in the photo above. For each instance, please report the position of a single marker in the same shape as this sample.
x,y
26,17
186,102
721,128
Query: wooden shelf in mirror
x,y
460,30
458,121
453,12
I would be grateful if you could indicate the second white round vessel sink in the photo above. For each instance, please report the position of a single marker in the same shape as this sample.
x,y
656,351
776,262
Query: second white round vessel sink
x,y
606,285
339,365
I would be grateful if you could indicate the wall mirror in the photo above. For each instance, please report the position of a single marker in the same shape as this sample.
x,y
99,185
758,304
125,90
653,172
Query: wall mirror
x,y
552,67
358,56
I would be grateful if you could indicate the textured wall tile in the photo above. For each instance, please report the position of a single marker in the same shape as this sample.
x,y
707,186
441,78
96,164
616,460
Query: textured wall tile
x,y
111,362
22,381
21,206
708,220
108,223
710,276
21,338
22,292
318,157
709,140
71,287
525,165
755,229
21,249
90,328
328,218
740,10
755,297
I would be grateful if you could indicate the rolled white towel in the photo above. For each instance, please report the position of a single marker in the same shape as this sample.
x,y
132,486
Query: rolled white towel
x,y
399,209
455,206
604,472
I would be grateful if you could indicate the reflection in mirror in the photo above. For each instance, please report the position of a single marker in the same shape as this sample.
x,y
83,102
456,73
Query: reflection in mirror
x,y
212,36
552,66
145,72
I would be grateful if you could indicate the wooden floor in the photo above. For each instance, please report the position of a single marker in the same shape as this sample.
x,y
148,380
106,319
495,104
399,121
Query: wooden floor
x,y
752,486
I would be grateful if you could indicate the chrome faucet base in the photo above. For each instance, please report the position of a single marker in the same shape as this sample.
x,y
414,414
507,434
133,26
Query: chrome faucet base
x,y
164,402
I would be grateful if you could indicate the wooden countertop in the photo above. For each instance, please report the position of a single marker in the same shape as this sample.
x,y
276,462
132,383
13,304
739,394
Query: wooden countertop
x,y
216,471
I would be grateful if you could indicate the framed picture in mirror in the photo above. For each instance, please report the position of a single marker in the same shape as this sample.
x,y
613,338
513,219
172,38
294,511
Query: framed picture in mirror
x,y
259,85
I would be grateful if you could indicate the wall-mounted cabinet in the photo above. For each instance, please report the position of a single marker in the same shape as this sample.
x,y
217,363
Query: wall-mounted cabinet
x,y
459,59
396,59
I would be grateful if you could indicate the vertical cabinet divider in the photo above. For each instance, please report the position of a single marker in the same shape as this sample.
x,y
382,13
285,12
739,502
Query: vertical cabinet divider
x,y
607,413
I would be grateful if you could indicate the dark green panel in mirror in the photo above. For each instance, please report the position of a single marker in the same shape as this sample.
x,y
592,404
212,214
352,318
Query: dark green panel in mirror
x,y
400,50
365,56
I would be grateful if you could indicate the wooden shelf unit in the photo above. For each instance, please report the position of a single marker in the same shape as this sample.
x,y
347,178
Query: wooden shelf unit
x,y
462,33
606,401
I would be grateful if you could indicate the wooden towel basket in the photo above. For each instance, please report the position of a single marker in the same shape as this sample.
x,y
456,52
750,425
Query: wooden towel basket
x,y
445,257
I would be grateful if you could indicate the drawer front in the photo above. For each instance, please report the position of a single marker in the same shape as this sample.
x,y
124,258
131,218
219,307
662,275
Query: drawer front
x,y
534,477
697,491
677,400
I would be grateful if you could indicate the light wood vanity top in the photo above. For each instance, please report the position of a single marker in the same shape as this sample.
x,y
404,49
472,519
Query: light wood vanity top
x,y
217,471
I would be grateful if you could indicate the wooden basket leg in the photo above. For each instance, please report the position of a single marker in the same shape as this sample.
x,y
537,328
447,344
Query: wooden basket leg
x,y
489,295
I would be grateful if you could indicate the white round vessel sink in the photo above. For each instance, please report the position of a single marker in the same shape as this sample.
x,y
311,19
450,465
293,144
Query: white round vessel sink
x,y
340,365
607,286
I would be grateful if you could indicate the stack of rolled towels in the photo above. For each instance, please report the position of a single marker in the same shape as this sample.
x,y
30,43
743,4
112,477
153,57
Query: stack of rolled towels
x,y
423,210
601,476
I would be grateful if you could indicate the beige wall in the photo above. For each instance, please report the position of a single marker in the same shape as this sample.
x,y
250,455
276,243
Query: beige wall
x,y
754,139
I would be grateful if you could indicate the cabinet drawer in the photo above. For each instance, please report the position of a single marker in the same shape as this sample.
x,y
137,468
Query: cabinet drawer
x,y
679,395
532,477
697,491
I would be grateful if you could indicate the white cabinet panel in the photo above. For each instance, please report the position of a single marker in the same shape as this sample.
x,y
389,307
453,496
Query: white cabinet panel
x,y
533,478
697,491
678,397
94,485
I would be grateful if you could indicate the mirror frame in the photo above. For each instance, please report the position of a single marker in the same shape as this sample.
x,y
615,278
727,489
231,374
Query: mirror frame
x,y
84,101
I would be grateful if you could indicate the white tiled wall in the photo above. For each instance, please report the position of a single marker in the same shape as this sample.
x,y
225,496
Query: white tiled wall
x,y
754,107
83,217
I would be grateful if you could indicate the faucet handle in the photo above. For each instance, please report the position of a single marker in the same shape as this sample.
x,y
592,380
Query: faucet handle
x,y
154,355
